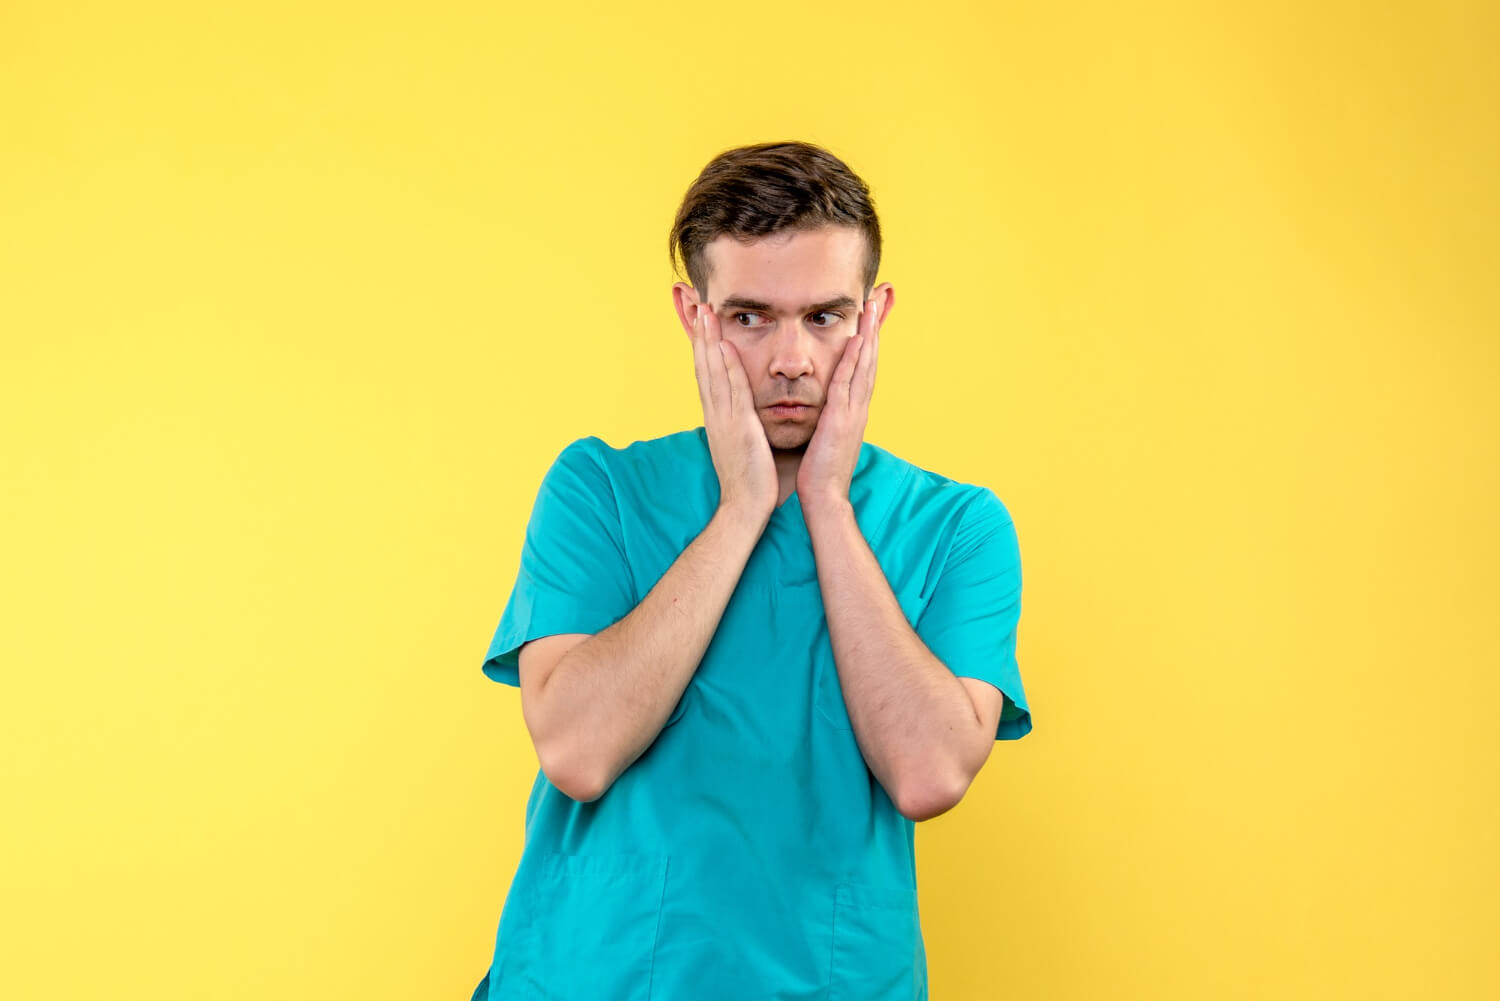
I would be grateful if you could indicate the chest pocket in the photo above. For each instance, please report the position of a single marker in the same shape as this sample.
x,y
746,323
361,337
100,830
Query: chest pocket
x,y
828,694
593,927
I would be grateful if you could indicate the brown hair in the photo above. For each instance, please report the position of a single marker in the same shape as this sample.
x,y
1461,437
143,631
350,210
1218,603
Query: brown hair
x,y
753,191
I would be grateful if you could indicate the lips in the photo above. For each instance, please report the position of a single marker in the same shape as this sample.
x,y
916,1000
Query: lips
x,y
789,411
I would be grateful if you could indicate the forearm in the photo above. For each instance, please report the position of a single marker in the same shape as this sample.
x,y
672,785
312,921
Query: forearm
x,y
608,698
911,716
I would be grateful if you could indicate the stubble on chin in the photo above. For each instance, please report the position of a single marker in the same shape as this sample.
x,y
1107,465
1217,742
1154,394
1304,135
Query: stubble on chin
x,y
788,437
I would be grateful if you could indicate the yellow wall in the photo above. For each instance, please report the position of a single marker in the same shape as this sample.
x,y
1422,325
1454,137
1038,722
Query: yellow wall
x,y
298,301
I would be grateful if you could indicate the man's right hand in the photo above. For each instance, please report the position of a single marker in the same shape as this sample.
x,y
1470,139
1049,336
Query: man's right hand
x,y
736,438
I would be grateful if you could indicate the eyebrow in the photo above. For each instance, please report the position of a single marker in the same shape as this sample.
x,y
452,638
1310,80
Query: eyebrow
x,y
743,302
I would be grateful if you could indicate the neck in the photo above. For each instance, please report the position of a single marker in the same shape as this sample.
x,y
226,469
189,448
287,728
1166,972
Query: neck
x,y
788,461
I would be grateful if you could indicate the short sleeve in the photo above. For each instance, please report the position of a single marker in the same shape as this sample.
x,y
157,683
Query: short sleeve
x,y
573,576
970,622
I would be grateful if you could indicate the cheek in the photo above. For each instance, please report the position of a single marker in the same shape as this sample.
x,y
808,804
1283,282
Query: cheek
x,y
833,353
750,351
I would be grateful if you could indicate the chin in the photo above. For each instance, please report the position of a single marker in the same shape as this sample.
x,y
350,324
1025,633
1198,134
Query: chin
x,y
787,437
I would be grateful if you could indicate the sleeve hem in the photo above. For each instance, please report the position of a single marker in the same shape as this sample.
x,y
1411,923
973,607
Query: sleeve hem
x,y
546,618
1015,715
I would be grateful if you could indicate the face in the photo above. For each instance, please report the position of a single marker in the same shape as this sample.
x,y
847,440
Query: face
x,y
789,302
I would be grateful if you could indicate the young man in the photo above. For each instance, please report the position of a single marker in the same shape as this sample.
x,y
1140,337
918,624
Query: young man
x,y
752,654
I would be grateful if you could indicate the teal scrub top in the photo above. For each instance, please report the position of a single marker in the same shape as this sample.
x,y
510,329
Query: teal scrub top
x,y
749,853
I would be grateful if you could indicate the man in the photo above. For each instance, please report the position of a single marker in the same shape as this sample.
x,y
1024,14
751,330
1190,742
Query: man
x,y
753,654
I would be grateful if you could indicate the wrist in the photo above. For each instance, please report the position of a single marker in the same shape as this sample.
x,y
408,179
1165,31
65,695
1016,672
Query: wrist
x,y
741,515
826,507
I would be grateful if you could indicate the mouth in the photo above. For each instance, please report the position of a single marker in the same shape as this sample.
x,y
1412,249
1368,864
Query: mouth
x,y
789,410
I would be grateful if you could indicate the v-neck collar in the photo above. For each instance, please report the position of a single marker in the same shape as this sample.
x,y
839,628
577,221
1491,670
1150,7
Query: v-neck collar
x,y
791,508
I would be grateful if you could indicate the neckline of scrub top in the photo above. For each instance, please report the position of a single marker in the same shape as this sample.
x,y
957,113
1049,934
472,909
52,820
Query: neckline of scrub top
x,y
793,502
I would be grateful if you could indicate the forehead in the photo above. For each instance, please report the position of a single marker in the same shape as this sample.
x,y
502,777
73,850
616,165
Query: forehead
x,y
789,270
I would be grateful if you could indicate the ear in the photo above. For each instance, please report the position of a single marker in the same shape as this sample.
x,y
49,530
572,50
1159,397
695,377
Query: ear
x,y
883,300
685,301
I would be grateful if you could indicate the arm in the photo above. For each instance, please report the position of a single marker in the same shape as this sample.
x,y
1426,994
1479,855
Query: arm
x,y
921,733
601,706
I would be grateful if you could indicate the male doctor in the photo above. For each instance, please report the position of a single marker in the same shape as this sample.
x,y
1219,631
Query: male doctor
x,y
753,654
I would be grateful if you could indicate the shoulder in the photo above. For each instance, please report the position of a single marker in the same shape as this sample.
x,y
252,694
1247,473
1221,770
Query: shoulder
x,y
953,501
648,452
580,458
664,451
645,474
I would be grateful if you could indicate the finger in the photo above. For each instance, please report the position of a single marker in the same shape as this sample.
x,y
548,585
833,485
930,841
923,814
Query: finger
x,y
863,383
838,386
739,382
718,371
700,364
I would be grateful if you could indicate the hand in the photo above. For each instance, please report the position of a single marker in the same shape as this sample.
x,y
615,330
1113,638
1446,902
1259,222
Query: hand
x,y
828,464
736,438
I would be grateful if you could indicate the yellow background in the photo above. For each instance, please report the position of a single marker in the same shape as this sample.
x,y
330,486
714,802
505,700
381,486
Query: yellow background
x,y
299,301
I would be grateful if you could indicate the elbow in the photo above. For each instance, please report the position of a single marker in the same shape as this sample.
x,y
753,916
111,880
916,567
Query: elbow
x,y
584,793
580,791
564,760
918,809
930,797
572,777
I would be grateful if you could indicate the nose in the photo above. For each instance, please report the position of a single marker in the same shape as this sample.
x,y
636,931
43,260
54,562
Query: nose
x,y
791,351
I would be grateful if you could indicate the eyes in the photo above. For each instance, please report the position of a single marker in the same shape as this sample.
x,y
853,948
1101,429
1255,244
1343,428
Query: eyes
x,y
835,317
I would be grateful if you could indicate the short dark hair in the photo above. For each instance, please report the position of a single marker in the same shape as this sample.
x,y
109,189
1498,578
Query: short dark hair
x,y
754,191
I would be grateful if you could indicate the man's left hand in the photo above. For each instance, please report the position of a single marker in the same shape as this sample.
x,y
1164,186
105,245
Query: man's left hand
x,y
828,464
